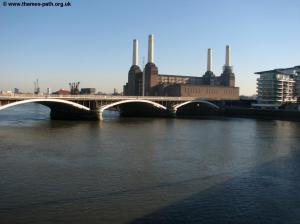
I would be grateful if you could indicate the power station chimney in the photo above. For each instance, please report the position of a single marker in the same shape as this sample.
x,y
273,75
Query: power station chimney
x,y
209,60
150,49
135,58
228,56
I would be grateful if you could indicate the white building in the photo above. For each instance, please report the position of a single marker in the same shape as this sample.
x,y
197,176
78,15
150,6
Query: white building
x,y
298,83
278,86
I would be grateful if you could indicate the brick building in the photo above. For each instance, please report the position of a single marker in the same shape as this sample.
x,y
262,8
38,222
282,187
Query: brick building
x,y
150,83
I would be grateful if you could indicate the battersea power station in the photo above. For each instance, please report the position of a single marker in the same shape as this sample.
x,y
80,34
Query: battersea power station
x,y
150,83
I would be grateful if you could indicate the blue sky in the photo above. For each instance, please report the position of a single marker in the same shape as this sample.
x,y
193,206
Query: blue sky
x,y
91,41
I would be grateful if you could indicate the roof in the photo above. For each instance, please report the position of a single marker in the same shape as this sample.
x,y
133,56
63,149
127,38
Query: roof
x,y
285,71
62,91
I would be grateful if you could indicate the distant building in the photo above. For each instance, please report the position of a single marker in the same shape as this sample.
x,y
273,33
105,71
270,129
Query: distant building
x,y
88,91
150,83
16,91
48,91
278,85
101,93
116,93
62,92
36,87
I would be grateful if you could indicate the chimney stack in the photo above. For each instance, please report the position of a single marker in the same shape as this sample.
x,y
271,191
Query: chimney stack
x,y
135,60
227,59
209,60
150,49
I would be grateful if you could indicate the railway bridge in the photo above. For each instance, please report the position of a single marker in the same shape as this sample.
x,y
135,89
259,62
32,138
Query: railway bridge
x,y
91,107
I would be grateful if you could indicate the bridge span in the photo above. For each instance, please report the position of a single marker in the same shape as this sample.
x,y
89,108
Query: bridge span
x,y
91,107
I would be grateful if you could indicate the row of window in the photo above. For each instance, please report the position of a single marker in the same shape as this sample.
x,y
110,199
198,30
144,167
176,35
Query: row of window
x,y
209,91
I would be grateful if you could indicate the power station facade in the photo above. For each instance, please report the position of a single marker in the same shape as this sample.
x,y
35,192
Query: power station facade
x,y
148,82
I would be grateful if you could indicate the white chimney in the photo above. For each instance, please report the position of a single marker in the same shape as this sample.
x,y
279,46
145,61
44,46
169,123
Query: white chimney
x,y
228,56
209,59
150,49
135,60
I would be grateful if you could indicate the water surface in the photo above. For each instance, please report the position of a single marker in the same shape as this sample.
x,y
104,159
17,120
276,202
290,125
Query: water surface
x,y
147,170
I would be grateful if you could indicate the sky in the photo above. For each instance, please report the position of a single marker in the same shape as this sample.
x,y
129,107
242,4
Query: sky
x,y
91,40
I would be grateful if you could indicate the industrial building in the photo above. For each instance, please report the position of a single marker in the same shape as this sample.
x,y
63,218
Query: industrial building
x,y
148,82
278,85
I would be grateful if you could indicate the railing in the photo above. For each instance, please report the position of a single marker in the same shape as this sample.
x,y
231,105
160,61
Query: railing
x,y
94,97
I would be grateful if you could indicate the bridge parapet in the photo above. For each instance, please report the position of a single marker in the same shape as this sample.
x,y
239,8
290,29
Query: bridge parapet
x,y
94,97
96,104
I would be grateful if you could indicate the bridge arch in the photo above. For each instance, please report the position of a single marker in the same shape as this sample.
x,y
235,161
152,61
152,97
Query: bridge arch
x,y
157,105
60,109
45,102
214,106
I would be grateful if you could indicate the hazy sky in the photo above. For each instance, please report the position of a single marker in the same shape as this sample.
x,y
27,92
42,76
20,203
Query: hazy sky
x,y
91,41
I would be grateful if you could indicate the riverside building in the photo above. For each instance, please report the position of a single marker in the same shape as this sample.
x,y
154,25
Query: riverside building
x,y
148,82
298,83
278,86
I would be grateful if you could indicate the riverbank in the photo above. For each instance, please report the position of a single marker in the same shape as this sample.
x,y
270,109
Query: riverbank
x,y
290,115
286,115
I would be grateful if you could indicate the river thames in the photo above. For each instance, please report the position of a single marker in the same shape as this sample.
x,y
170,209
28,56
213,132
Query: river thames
x,y
147,170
